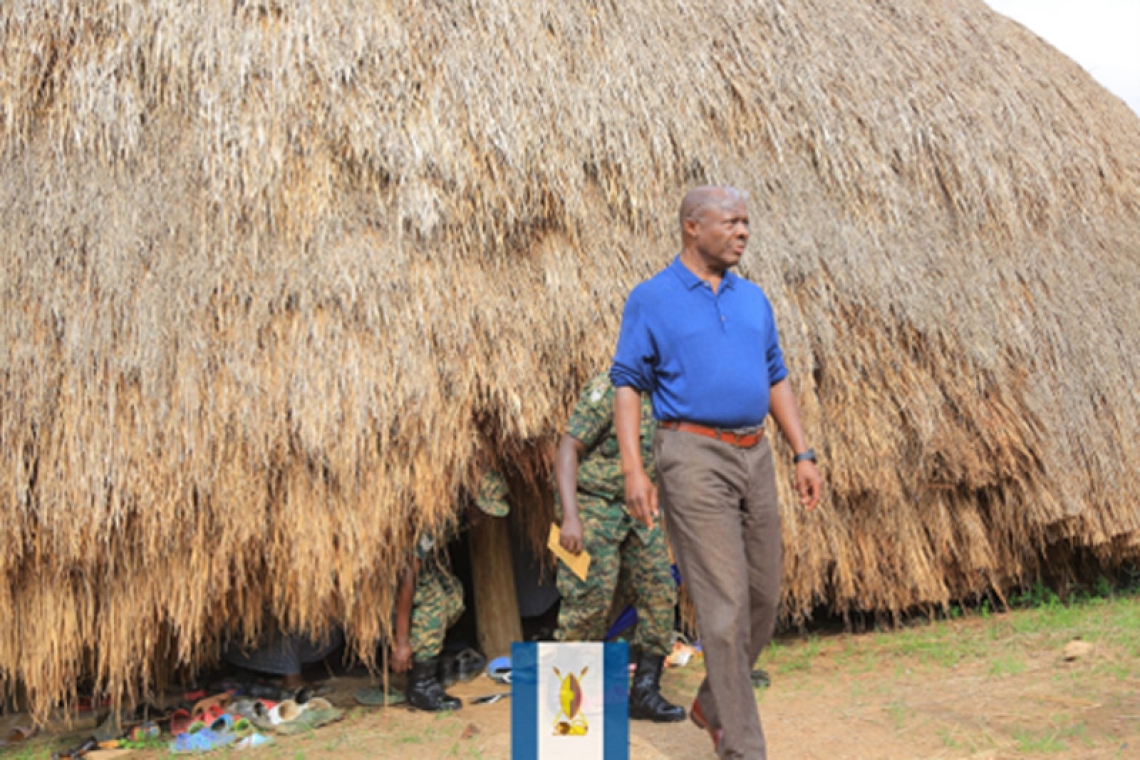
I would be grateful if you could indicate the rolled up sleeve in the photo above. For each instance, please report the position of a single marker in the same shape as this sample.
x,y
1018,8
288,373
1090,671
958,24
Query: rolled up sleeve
x,y
636,357
775,355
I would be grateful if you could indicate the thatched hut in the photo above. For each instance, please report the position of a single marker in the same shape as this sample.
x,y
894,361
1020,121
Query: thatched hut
x,y
281,279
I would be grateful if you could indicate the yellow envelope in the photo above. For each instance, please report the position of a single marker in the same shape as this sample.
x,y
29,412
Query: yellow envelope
x,y
579,563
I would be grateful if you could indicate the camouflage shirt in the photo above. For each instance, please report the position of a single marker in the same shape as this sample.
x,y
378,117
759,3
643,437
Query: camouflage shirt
x,y
491,494
592,423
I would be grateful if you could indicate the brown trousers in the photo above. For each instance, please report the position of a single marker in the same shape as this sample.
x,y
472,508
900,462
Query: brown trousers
x,y
724,522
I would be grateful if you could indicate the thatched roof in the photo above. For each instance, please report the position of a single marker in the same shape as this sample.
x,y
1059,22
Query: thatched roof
x,y
280,279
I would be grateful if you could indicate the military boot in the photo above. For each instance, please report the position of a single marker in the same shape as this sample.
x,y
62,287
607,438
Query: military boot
x,y
645,700
425,691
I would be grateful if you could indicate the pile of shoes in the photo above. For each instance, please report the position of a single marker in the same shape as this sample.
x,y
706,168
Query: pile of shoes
x,y
211,722
238,719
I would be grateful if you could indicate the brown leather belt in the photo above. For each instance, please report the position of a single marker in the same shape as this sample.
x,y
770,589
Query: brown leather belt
x,y
744,441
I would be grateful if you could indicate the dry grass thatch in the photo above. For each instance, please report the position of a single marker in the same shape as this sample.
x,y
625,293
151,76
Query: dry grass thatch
x,y
279,279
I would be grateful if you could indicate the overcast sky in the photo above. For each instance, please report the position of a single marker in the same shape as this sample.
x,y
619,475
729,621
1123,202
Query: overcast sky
x,y
1103,36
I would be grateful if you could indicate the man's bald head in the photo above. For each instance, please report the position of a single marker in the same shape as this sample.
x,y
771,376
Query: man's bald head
x,y
702,198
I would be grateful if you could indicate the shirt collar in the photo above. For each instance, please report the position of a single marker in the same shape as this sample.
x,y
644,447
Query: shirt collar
x,y
690,280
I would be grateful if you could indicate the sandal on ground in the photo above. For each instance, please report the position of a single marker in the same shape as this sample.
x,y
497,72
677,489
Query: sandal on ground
x,y
285,712
144,731
375,696
499,670
253,740
202,741
318,712
253,710
207,718
17,734
180,722
218,700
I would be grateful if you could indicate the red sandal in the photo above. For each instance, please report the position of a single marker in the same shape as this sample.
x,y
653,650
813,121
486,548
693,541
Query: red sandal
x,y
180,721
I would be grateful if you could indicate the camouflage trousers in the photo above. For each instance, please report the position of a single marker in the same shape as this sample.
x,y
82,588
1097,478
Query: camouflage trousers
x,y
621,561
436,606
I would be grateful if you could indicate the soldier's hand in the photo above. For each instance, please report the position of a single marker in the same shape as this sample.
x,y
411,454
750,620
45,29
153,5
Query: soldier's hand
x,y
401,657
571,539
641,497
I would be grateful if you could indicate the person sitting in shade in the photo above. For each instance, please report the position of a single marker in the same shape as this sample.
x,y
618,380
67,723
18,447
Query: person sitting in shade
x,y
284,656
429,600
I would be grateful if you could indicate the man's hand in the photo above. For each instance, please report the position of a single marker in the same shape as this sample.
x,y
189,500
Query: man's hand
x,y
571,538
641,497
401,657
809,483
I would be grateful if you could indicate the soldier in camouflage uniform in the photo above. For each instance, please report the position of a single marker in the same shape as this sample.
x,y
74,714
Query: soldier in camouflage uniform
x,y
590,503
429,600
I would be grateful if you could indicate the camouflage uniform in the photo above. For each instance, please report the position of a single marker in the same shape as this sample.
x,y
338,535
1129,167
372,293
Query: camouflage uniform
x,y
438,601
437,604
617,543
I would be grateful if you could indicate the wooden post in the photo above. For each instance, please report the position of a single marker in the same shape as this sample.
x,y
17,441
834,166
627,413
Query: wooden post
x,y
493,578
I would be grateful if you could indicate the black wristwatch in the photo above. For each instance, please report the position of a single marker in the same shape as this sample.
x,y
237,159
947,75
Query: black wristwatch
x,y
804,456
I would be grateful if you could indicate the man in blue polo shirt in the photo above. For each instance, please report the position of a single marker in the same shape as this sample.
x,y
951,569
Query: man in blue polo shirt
x,y
703,343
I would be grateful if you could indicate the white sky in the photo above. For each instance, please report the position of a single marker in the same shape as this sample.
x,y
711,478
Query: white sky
x,y
1103,36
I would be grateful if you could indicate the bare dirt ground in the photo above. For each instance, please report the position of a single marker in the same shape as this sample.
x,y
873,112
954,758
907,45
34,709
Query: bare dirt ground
x,y
991,688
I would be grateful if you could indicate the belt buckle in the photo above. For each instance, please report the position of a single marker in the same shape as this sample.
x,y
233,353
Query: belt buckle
x,y
735,437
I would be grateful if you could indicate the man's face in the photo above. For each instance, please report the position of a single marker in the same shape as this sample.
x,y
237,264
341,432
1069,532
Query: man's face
x,y
721,233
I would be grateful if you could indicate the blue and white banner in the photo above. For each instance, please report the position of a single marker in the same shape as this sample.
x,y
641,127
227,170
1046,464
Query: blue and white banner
x,y
569,701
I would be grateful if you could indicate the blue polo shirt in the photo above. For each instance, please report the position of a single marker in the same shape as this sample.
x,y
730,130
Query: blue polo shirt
x,y
705,357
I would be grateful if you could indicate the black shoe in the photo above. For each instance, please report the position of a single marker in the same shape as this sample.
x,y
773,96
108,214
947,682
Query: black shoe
x,y
425,691
469,665
645,700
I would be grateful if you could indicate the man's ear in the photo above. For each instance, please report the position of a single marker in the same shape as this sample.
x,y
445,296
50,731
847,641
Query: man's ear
x,y
689,227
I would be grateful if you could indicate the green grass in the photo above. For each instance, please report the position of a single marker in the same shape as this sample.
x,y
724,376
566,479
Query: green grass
x,y
791,659
42,746
1002,640
1060,737
1006,666
1018,646
1033,741
965,742
897,710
